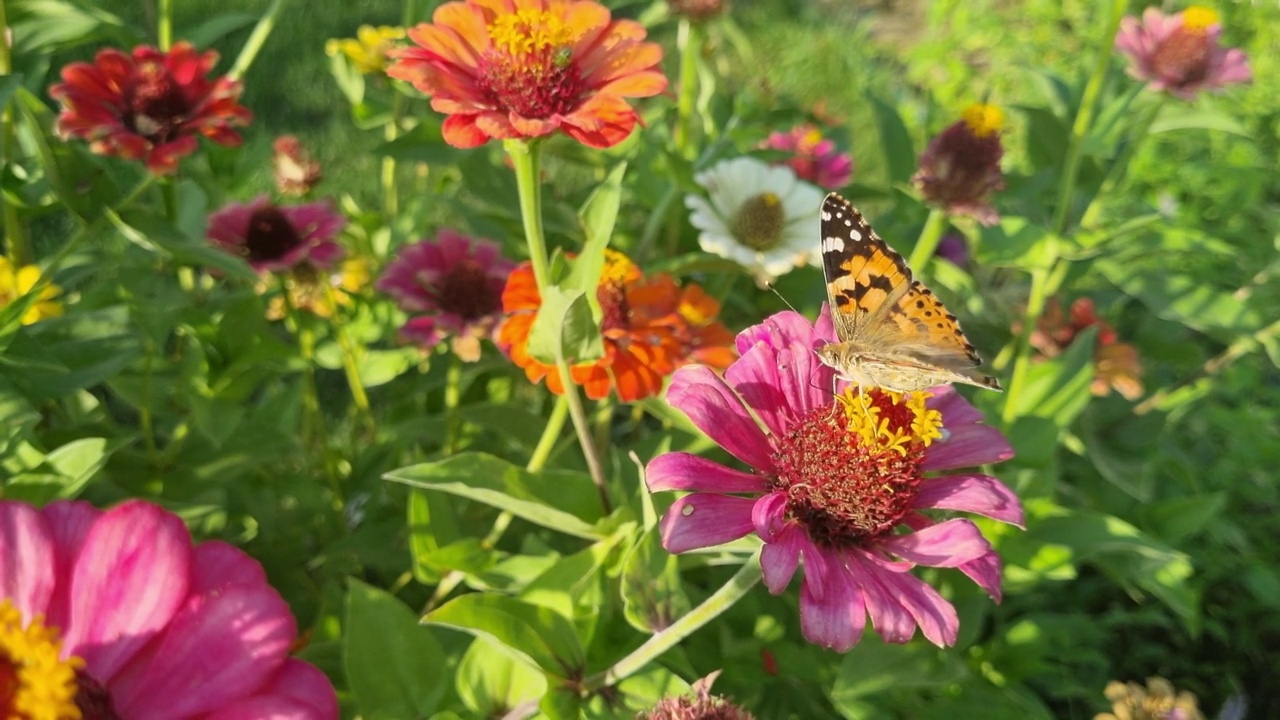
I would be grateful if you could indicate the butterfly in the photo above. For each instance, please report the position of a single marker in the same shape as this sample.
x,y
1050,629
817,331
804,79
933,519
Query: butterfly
x,y
892,331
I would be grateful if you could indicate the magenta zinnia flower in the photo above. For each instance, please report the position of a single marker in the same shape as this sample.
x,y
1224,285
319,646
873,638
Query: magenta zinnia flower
x,y
453,287
961,167
813,158
274,237
833,482
149,105
151,625
1180,54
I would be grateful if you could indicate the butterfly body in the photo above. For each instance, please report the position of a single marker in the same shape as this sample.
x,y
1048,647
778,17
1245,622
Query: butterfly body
x,y
892,331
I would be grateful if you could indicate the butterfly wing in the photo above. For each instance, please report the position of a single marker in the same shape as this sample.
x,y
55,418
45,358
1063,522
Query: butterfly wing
x,y
865,277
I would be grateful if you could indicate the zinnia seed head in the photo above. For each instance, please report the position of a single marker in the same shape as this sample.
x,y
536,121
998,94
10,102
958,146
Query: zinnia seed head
x,y
270,235
155,105
531,70
851,470
758,224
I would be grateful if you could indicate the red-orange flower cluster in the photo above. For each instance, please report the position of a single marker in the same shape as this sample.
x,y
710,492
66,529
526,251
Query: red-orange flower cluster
x,y
149,105
651,326
526,68
1117,365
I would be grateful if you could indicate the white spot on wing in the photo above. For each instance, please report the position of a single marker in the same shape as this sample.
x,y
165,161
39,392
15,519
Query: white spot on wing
x,y
832,243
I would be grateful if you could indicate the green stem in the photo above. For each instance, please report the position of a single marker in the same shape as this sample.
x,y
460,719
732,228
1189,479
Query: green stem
x,y
164,26
17,243
313,431
1118,172
524,156
1084,117
689,45
927,243
1040,277
169,193
550,434
723,599
144,407
350,361
256,40
452,397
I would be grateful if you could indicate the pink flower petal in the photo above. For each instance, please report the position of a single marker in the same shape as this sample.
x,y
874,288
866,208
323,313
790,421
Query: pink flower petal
x,y
936,617
985,571
28,559
217,564
769,515
780,558
70,521
221,647
685,471
698,392
705,520
947,544
754,376
967,446
979,494
955,409
132,575
303,683
835,620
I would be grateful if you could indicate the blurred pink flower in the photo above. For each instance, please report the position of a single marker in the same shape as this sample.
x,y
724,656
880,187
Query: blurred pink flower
x,y
1180,54
274,237
832,482
152,626
453,287
961,167
149,105
953,248
294,170
813,158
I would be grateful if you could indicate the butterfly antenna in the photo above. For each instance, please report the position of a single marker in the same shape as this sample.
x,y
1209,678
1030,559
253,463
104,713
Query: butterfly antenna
x,y
774,289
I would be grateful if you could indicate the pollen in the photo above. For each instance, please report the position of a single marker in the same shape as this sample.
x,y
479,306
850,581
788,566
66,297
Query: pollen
x,y
892,421
34,683
1199,18
984,120
527,32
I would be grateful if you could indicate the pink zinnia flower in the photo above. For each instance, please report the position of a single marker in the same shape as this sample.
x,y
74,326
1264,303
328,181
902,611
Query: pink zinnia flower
x,y
832,482
453,285
1180,54
274,237
151,625
149,105
813,158
961,167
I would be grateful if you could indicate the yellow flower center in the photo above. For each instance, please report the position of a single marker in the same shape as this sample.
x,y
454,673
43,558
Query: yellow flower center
x,y
1199,18
983,120
34,683
894,422
529,31
618,269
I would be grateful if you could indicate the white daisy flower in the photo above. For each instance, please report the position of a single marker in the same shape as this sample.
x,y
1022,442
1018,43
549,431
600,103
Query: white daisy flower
x,y
759,215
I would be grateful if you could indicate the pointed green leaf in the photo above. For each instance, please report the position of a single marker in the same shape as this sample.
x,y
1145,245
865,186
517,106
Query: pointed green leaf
x,y
651,591
491,680
395,665
537,634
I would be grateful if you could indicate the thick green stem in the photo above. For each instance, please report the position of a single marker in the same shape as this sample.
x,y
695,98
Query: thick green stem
x,y
17,244
256,40
164,26
927,243
711,608
689,45
452,398
350,360
1084,117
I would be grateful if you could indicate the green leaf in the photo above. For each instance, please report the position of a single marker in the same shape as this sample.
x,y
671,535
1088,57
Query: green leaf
x,y
218,27
74,177
148,231
899,153
556,499
1016,242
565,328
1178,519
651,591
78,461
44,26
598,216
1058,389
423,144
1184,116
432,523
537,634
492,681
1181,297
394,664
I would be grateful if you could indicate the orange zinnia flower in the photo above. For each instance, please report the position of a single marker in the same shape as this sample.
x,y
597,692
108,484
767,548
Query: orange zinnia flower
x,y
650,327
526,68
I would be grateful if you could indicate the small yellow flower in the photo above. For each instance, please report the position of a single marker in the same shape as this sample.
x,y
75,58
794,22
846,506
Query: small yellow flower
x,y
15,284
1199,18
368,49
983,120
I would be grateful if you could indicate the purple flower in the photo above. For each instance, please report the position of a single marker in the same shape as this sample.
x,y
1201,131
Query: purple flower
x,y
831,482
274,237
954,249
1180,54
813,158
961,167
454,286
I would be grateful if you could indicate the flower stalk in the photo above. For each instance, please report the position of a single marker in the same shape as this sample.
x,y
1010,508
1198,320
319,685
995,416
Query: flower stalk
x,y
256,40
350,360
164,26
689,43
17,244
927,244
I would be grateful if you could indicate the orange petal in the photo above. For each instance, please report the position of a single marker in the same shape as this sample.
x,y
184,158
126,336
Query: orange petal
x,y
461,131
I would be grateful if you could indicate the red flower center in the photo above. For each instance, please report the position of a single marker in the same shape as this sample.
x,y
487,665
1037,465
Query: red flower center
x,y
1184,55
531,70
851,470
467,291
270,236
155,107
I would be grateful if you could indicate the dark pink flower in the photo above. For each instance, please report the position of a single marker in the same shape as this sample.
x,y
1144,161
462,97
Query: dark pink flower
x,y
149,105
813,158
833,482
961,167
151,625
274,237
1181,54
452,285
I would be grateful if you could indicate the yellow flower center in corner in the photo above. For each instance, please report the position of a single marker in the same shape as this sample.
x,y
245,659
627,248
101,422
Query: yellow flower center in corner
x,y
983,120
34,683
526,32
1199,18
892,421
618,269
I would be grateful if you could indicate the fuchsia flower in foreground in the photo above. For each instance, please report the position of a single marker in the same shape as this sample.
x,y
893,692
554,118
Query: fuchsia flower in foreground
x,y
453,285
1180,54
813,158
278,237
150,625
832,483
149,105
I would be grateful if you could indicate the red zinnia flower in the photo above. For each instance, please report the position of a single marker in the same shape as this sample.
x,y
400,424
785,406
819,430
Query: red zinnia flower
x,y
650,327
961,167
527,68
149,105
